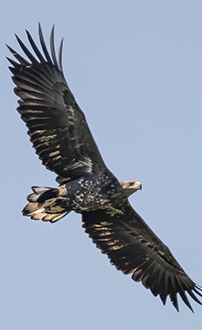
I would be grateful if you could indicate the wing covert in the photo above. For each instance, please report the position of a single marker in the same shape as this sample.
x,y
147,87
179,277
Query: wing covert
x,y
133,248
56,125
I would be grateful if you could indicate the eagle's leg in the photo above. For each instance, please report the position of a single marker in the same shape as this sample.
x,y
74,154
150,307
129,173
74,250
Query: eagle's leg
x,y
112,211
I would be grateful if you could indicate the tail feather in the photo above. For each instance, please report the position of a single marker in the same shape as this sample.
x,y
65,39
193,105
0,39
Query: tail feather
x,y
38,191
45,204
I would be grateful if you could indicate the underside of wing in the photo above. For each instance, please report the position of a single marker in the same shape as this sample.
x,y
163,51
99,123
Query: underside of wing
x,y
133,248
56,125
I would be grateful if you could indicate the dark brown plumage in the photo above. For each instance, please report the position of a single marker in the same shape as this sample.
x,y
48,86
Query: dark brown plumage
x,y
60,135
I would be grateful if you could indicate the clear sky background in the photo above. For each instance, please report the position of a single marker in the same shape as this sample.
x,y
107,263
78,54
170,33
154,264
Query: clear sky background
x,y
135,68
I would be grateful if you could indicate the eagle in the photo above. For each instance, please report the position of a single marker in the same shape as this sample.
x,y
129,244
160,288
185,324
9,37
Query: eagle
x,y
63,141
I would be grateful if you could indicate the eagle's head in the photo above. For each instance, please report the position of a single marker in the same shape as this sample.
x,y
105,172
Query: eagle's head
x,y
130,186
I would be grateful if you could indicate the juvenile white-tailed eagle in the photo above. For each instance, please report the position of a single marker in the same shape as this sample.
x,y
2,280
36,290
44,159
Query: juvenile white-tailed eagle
x,y
60,135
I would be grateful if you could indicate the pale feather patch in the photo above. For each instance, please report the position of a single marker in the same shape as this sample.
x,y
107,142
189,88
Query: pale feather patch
x,y
62,190
39,190
84,162
54,153
32,197
37,216
54,217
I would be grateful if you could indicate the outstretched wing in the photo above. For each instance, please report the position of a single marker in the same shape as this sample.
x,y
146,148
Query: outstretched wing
x,y
57,126
133,248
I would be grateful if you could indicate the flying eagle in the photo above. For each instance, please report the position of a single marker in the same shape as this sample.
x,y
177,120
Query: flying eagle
x,y
61,137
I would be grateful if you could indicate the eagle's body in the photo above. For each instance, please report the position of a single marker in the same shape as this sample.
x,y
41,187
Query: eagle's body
x,y
85,194
61,137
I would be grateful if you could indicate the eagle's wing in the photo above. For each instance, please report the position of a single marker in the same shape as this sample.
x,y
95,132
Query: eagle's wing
x,y
133,248
57,126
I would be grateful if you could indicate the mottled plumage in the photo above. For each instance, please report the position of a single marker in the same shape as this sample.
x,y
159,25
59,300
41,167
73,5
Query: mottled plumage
x,y
60,135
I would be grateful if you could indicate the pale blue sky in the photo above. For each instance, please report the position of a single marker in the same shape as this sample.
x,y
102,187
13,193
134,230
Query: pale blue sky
x,y
135,68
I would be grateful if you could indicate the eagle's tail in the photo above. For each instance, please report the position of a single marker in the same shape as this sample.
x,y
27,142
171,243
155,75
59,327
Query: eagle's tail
x,y
45,204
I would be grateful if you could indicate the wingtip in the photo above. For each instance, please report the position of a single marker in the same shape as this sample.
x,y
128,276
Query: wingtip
x,y
52,32
60,55
28,34
53,28
40,29
16,36
176,307
18,39
39,25
11,49
52,46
